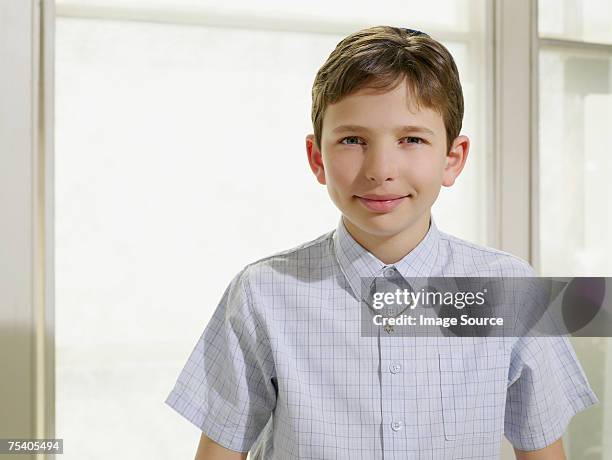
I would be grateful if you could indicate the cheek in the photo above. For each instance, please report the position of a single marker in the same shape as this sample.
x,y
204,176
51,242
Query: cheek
x,y
424,172
341,169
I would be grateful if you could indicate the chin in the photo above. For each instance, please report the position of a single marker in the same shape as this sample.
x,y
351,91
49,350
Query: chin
x,y
382,224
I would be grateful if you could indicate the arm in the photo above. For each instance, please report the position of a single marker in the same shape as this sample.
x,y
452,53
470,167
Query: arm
x,y
553,451
210,450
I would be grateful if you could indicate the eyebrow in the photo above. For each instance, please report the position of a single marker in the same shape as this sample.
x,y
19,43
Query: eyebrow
x,y
400,129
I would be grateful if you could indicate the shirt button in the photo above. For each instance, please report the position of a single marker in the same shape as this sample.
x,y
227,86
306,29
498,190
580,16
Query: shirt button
x,y
397,425
395,367
389,272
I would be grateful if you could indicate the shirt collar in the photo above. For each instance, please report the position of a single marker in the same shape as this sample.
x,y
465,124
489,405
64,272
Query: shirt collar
x,y
356,262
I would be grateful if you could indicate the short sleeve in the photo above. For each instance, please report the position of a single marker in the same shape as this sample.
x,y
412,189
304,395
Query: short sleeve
x,y
226,387
547,387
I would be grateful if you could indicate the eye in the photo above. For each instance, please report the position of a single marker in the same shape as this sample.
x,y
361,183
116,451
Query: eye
x,y
349,137
411,140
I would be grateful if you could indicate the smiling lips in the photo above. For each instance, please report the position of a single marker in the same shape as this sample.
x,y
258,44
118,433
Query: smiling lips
x,y
381,203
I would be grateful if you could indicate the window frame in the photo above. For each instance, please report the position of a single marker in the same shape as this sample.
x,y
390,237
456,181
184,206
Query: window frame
x,y
26,233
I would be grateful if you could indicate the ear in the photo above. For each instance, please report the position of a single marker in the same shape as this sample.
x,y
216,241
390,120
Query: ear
x,y
455,160
315,159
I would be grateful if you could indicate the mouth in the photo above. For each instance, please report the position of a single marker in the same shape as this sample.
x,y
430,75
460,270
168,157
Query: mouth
x,y
382,203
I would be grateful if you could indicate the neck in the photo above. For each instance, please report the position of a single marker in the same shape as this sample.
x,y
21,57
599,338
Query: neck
x,y
390,249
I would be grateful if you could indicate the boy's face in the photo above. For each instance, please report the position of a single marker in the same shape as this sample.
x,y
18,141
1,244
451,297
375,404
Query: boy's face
x,y
381,159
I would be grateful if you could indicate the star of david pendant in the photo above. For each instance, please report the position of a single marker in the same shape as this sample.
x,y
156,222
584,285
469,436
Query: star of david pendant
x,y
388,328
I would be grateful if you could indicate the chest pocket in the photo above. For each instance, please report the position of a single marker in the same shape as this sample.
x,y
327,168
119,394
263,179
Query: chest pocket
x,y
473,384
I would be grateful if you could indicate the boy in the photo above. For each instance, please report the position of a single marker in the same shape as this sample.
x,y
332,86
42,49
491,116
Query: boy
x,y
283,361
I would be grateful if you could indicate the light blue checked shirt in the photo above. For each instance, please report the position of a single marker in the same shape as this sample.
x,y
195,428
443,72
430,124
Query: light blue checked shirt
x,y
283,369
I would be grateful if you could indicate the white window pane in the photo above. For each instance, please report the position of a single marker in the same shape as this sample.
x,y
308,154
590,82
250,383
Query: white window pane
x,y
442,14
575,164
585,20
576,208
180,158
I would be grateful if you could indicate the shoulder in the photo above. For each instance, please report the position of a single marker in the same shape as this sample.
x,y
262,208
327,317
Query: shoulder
x,y
290,270
301,261
477,260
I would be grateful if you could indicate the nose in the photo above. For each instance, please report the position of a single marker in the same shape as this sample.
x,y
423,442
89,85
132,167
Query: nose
x,y
380,165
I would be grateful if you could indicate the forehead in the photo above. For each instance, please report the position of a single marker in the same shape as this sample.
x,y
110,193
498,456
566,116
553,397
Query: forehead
x,y
379,109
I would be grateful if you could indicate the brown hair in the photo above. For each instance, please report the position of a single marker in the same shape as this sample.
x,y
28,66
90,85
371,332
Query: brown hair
x,y
378,58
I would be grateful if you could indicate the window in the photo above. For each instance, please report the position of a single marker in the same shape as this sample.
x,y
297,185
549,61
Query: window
x,y
576,20
575,195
